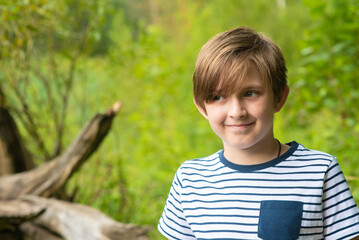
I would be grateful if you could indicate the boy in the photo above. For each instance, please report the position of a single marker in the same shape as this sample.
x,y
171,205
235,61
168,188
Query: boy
x,y
256,187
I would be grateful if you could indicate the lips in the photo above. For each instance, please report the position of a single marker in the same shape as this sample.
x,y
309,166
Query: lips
x,y
239,125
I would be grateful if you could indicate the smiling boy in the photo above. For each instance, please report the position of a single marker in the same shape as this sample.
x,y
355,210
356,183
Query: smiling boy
x,y
256,187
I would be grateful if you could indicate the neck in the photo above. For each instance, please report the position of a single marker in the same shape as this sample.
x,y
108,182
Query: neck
x,y
256,154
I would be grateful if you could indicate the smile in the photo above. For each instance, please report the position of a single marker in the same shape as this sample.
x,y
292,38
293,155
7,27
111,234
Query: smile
x,y
239,126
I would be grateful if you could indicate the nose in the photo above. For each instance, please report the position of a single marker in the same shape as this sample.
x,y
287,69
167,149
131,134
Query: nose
x,y
236,108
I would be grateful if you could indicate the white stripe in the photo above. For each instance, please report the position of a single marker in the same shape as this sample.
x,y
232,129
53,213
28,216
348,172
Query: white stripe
x,y
219,202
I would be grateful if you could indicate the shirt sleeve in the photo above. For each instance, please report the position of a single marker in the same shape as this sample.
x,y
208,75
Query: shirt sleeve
x,y
340,212
173,224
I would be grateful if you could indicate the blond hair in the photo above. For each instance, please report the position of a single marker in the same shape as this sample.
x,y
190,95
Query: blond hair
x,y
225,60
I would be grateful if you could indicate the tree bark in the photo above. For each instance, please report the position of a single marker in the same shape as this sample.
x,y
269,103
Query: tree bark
x,y
48,178
14,157
43,218
27,213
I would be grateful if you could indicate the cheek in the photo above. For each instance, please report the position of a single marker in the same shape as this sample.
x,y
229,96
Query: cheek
x,y
217,114
263,111
214,118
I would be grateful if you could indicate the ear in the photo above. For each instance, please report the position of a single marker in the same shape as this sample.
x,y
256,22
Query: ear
x,y
200,109
283,99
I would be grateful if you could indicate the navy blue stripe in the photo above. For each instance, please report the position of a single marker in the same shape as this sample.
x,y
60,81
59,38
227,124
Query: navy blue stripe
x,y
333,166
312,219
315,212
344,219
174,198
220,239
302,166
173,237
210,173
217,201
338,212
181,218
169,202
178,181
174,190
301,148
292,173
352,235
222,208
338,193
183,226
225,231
175,230
167,234
258,167
239,208
249,179
257,172
252,187
273,173
304,160
312,154
342,229
236,201
334,176
203,169
312,234
222,215
337,203
312,227
335,185
209,158
202,162
252,194
224,223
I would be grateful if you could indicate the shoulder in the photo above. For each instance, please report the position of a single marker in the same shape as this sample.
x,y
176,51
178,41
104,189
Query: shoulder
x,y
203,162
200,165
307,154
301,157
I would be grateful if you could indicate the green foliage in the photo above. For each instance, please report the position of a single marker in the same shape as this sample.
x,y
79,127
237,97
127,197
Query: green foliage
x,y
329,69
147,60
40,48
326,82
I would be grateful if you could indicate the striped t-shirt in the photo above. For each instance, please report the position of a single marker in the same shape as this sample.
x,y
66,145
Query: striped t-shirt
x,y
299,195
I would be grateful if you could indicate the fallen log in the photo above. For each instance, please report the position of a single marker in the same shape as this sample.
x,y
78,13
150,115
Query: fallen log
x,y
66,220
27,212
41,218
17,211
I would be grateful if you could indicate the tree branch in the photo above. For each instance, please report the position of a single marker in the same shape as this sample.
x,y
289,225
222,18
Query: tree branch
x,y
48,178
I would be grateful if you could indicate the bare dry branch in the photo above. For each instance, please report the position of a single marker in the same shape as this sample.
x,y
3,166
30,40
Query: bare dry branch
x,y
50,177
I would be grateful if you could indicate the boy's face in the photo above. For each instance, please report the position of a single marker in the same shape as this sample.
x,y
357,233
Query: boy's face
x,y
244,119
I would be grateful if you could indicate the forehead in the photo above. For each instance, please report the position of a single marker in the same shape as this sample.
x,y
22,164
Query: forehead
x,y
236,79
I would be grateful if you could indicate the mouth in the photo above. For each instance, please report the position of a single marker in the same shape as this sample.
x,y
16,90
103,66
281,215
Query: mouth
x,y
240,125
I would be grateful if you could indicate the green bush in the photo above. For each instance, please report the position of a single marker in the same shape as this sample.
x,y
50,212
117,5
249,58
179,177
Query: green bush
x,y
146,59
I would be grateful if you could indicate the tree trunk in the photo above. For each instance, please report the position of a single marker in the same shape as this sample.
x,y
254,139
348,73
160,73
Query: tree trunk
x,y
14,157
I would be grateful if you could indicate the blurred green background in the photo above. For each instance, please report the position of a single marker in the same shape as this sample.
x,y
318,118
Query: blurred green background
x,y
95,52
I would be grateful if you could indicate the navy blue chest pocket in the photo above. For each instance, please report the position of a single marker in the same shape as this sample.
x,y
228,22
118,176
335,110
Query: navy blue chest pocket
x,y
280,220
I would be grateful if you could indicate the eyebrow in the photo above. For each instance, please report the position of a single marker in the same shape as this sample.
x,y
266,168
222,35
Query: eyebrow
x,y
243,89
248,86
252,86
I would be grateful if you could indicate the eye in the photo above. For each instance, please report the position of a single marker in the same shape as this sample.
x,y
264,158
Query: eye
x,y
250,94
218,98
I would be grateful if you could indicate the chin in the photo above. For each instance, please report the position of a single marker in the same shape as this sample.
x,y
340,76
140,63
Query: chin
x,y
239,146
